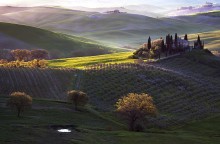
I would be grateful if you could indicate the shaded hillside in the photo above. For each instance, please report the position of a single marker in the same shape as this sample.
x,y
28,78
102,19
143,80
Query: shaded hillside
x,y
116,29
59,45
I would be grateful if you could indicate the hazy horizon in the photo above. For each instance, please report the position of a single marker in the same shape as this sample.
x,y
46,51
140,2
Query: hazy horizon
x,y
105,3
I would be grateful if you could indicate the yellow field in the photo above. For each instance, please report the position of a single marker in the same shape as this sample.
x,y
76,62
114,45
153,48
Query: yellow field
x,y
81,62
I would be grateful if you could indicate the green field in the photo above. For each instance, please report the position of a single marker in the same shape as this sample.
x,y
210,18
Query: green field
x,y
185,90
58,45
38,125
82,62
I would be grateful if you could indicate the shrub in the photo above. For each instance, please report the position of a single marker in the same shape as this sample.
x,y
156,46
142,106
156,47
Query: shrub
x,y
17,64
20,101
154,52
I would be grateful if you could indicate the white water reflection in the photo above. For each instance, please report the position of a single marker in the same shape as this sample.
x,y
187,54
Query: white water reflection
x,y
64,130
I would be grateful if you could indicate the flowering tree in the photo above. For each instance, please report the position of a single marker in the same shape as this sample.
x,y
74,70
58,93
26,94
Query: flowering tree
x,y
134,107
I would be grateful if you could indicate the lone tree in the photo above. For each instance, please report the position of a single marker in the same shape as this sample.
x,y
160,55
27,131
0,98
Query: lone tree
x,y
149,43
20,101
134,107
78,98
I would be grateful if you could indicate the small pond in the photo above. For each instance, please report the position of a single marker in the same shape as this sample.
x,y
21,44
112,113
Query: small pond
x,y
63,128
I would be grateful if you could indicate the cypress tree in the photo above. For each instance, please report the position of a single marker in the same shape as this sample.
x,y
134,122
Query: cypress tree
x,y
198,40
186,37
149,43
176,40
163,46
171,39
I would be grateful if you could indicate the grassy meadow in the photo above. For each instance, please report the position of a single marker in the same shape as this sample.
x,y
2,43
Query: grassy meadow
x,y
81,62
38,125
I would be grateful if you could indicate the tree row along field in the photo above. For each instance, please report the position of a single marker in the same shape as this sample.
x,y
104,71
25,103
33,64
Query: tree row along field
x,y
40,83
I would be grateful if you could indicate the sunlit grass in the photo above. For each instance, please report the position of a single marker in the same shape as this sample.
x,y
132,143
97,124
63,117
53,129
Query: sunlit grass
x,y
81,62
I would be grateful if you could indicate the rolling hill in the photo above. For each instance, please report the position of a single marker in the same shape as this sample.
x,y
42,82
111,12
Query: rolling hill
x,y
15,36
185,90
211,19
122,29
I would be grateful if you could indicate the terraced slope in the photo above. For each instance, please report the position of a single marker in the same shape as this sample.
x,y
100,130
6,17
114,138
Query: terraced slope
x,y
180,96
43,83
184,88
59,45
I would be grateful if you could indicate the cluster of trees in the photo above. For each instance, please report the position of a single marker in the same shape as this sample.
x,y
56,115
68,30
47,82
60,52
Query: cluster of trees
x,y
199,44
150,49
23,54
18,64
154,49
175,45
